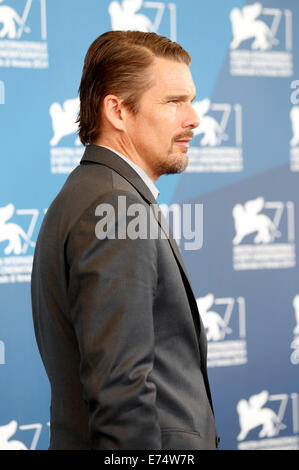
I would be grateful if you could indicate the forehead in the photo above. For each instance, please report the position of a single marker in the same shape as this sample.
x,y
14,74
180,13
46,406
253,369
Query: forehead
x,y
172,77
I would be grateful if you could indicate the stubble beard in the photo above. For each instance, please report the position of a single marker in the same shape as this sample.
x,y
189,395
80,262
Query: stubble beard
x,y
175,162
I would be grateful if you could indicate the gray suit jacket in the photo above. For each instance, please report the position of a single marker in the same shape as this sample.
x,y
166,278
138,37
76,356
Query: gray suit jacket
x,y
117,323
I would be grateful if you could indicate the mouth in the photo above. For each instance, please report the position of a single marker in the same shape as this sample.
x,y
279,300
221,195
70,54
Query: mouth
x,y
183,142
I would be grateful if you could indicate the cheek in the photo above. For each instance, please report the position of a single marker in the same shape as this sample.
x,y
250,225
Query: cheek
x,y
156,128
167,124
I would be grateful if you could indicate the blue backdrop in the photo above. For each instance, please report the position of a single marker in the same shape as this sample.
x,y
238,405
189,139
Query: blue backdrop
x,y
244,170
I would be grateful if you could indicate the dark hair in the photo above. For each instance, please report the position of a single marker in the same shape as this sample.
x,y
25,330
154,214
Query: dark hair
x,y
118,62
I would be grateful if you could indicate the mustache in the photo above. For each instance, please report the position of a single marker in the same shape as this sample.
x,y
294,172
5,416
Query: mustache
x,y
188,134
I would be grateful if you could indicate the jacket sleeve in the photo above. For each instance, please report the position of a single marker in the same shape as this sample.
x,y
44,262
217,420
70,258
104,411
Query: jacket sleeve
x,y
111,287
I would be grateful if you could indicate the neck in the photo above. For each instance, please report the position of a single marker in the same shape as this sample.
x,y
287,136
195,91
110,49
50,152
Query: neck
x,y
128,150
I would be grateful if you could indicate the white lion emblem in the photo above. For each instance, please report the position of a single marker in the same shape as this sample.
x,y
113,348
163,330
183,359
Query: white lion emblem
x,y
64,120
252,414
12,232
6,432
9,18
213,322
249,220
124,16
246,26
212,132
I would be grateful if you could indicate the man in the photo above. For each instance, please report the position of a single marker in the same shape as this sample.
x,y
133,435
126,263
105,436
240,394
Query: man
x,y
115,318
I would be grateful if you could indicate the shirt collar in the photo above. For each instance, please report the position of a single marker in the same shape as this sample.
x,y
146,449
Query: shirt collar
x,y
154,190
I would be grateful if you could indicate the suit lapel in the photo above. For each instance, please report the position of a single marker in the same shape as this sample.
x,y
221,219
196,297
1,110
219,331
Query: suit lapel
x,y
194,309
104,156
198,324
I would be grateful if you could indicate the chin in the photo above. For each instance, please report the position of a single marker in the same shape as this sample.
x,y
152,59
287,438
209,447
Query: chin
x,y
177,164
178,169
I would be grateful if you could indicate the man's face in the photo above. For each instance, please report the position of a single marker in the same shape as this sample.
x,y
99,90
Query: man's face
x,y
162,129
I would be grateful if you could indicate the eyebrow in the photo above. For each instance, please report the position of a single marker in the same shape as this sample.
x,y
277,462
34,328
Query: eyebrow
x,y
179,97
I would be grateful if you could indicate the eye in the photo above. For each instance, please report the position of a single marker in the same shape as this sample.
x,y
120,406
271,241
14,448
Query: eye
x,y
175,102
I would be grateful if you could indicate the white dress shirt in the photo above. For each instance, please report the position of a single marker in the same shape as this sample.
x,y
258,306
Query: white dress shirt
x,y
138,170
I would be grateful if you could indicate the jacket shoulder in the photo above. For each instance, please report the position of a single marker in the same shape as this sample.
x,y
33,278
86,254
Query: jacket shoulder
x,y
86,184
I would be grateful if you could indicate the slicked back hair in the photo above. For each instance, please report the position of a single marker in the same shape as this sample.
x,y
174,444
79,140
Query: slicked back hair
x,y
118,63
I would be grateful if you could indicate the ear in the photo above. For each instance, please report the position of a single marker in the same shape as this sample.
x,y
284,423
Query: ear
x,y
112,111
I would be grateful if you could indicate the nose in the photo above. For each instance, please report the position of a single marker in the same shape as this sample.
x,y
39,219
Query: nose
x,y
192,120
